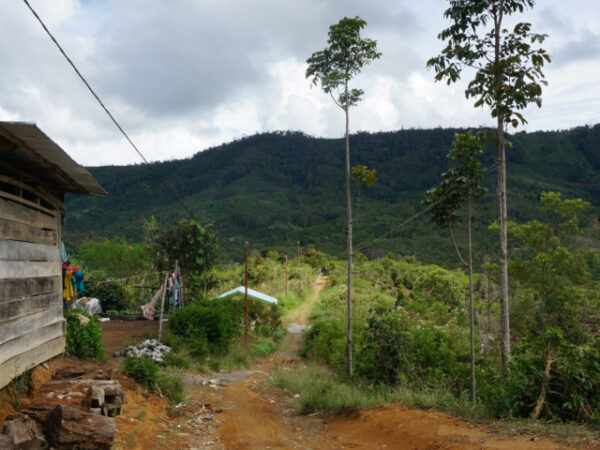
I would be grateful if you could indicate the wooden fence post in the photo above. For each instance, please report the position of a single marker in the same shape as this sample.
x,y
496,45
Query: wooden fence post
x,y
162,304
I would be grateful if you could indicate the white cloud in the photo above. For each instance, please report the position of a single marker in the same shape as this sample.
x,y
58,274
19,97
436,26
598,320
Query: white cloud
x,y
184,75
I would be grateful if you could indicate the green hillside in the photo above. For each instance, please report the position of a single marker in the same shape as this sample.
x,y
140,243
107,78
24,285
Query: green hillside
x,y
275,189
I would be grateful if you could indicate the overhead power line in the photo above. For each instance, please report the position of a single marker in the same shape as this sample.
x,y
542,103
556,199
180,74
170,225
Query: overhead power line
x,y
415,216
152,169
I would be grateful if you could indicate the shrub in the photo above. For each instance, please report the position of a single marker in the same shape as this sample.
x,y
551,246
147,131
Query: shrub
x,y
112,295
171,359
207,326
171,387
19,386
263,348
83,340
143,370
326,342
564,377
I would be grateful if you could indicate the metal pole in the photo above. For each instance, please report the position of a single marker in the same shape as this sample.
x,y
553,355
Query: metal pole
x,y
246,293
286,276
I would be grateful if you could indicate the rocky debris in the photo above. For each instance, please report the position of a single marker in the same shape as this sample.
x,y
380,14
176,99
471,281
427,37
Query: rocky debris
x,y
25,430
6,442
150,347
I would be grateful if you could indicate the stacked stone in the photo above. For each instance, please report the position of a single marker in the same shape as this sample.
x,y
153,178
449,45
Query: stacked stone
x,y
150,347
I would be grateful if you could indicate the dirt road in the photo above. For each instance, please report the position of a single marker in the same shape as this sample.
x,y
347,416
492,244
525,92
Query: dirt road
x,y
236,411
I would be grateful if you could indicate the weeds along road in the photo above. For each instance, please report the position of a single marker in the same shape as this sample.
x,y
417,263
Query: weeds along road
x,y
239,411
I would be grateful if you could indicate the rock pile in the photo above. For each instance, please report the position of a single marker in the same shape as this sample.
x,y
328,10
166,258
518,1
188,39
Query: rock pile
x,y
150,347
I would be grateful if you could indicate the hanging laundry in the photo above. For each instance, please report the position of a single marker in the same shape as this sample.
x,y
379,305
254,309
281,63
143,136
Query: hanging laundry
x,y
68,287
78,282
176,294
63,252
148,308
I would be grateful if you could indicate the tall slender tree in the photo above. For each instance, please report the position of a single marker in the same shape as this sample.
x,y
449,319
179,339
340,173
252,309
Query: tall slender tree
x,y
461,184
333,68
508,77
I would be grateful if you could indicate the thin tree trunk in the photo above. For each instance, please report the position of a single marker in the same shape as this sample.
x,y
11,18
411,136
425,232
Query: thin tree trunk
x,y
471,309
503,266
349,205
502,211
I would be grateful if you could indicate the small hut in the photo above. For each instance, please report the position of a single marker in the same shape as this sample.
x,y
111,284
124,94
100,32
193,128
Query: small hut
x,y
35,173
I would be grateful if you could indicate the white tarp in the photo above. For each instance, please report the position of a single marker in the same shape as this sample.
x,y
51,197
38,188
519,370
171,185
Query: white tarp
x,y
251,293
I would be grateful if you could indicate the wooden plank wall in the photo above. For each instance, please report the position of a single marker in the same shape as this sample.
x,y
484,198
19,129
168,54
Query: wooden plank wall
x,y
31,322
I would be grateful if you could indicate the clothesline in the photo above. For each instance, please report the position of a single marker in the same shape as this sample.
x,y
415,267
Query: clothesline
x,y
127,278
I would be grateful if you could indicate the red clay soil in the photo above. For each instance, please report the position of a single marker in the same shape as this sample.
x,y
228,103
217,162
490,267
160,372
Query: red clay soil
x,y
117,334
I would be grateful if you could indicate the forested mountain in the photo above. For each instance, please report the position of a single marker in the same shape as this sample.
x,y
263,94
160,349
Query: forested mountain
x,y
276,189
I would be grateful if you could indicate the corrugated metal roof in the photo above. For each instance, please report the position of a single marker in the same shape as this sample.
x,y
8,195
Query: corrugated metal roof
x,y
38,152
251,293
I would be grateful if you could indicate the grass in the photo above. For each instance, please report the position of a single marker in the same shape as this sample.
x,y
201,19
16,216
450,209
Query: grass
x,y
18,387
322,392
131,439
263,347
235,358
567,433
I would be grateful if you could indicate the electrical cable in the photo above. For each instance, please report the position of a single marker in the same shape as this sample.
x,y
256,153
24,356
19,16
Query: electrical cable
x,y
415,216
154,172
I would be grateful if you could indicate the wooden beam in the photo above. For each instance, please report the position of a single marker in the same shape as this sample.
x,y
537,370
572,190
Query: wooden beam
x,y
21,288
26,269
16,231
52,199
23,201
23,306
34,338
23,325
33,177
17,212
43,161
27,251
30,357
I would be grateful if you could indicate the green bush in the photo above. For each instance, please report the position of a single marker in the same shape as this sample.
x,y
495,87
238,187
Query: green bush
x,y
172,359
326,342
83,340
18,387
143,370
209,326
171,387
571,387
112,295
263,347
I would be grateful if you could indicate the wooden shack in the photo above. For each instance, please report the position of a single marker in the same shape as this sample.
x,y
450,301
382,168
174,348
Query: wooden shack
x,y
35,173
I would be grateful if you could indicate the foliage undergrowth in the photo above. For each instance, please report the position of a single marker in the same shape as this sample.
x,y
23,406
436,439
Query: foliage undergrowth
x,y
18,387
145,372
83,340
263,347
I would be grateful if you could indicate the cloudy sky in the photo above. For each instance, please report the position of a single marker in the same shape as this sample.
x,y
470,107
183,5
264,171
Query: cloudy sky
x,y
184,75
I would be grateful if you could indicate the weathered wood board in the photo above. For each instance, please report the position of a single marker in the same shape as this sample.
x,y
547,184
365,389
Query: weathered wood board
x,y
30,269
16,212
13,309
34,338
21,232
26,251
19,288
30,357
23,325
